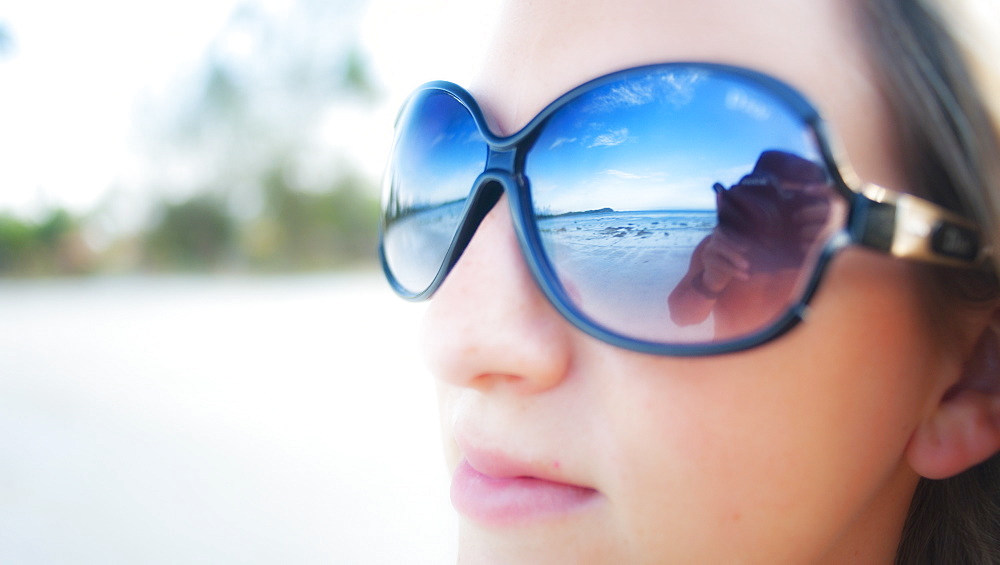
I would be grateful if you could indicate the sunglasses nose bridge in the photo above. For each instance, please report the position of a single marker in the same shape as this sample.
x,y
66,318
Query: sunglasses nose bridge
x,y
497,178
489,186
501,159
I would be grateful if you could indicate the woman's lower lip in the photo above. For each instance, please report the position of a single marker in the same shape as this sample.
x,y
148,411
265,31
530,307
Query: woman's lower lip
x,y
508,500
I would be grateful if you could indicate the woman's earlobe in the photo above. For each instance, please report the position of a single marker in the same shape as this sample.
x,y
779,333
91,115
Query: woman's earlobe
x,y
964,430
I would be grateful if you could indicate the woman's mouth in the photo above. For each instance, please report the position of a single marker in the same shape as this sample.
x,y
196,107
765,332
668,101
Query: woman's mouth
x,y
499,495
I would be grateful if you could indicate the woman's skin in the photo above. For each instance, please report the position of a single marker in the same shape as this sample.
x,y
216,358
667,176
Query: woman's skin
x,y
805,450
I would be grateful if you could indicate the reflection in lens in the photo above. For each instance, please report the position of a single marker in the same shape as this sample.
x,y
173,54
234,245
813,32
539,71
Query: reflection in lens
x,y
625,185
438,154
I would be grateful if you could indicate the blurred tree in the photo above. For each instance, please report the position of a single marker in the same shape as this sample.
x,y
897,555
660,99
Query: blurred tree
x,y
309,230
15,245
253,163
353,212
51,246
195,234
257,129
357,77
269,81
57,225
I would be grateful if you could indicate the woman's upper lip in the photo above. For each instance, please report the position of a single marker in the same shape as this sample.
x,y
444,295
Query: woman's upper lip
x,y
498,464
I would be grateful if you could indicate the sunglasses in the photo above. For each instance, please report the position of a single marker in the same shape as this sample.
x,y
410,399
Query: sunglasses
x,y
676,209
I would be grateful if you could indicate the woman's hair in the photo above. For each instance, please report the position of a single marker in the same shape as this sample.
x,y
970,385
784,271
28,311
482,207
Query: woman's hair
x,y
938,78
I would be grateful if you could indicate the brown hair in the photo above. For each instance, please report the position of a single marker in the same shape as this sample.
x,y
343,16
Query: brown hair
x,y
950,152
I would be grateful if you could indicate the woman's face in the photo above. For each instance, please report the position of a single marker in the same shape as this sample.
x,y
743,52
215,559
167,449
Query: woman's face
x,y
569,450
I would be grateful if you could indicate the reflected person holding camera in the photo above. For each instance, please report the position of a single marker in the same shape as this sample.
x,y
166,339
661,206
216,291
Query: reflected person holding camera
x,y
767,224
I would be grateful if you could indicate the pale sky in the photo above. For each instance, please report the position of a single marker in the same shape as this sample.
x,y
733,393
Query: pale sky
x,y
69,87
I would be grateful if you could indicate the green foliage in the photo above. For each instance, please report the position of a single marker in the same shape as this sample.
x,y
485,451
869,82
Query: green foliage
x,y
297,230
196,234
15,244
51,246
303,229
357,77
56,225
222,93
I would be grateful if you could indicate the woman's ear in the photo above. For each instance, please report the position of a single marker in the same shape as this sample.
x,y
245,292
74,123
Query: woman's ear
x,y
964,429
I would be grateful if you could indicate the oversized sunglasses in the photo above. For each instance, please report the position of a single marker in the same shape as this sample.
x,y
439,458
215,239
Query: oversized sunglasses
x,y
677,209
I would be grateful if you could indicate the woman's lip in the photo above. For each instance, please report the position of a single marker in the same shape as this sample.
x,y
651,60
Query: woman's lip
x,y
504,497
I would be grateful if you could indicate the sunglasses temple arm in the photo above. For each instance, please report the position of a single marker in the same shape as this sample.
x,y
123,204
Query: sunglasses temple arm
x,y
910,227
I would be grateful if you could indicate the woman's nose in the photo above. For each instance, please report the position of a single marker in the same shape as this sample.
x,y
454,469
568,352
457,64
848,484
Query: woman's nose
x,y
489,325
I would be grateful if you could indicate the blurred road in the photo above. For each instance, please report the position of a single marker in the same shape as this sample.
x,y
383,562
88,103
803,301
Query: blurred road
x,y
217,420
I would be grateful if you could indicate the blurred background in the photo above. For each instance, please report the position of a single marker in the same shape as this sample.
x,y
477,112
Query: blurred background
x,y
199,362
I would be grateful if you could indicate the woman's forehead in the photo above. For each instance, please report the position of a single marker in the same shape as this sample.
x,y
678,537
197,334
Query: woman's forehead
x,y
541,49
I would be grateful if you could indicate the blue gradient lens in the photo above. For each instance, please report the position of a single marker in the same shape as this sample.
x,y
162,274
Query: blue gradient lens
x,y
629,184
437,156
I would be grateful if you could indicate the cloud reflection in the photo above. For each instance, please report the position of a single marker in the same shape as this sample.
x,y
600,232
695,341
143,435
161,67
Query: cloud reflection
x,y
610,139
